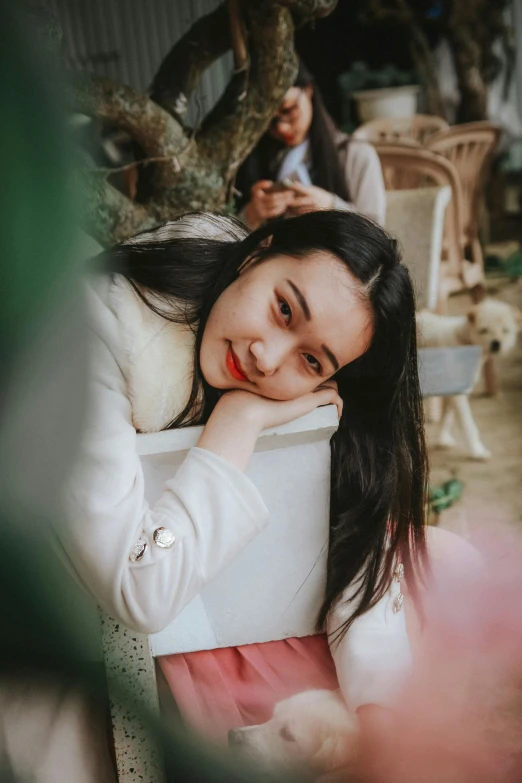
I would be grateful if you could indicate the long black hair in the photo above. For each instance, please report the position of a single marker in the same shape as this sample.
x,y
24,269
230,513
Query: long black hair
x,y
379,464
326,170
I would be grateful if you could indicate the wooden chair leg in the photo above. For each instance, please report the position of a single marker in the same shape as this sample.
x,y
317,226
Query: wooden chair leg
x,y
443,297
477,256
478,293
491,376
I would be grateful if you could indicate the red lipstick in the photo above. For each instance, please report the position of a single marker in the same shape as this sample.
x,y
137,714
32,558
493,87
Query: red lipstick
x,y
234,366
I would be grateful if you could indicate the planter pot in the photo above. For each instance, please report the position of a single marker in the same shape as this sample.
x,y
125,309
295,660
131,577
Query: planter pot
x,y
386,102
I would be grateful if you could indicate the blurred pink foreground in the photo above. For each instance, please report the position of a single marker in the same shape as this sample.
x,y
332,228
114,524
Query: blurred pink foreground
x,y
459,719
459,716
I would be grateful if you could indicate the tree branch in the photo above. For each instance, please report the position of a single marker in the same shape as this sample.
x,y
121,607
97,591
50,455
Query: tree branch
x,y
305,10
199,168
180,71
235,124
237,36
422,56
376,11
149,125
467,55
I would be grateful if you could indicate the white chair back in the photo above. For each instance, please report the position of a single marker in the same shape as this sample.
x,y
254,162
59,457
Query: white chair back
x,y
272,590
416,218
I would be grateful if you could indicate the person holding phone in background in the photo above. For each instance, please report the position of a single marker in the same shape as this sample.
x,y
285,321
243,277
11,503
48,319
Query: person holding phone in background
x,y
303,163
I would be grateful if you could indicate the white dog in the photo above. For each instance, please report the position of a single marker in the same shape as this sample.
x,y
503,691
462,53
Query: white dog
x,y
491,324
313,729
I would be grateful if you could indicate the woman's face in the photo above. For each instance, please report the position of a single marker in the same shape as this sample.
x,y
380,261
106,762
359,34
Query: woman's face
x,y
292,121
285,326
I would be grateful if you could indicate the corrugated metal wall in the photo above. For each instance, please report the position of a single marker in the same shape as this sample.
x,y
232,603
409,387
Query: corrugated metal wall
x,y
126,40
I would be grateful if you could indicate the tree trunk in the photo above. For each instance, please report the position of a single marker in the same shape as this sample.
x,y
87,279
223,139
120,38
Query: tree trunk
x,y
473,90
194,170
109,216
468,35
423,58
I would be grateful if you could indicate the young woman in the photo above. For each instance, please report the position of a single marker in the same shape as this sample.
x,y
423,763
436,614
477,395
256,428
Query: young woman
x,y
202,322
322,167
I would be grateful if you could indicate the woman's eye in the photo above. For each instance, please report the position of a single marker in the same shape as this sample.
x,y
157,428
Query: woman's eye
x,y
312,361
285,310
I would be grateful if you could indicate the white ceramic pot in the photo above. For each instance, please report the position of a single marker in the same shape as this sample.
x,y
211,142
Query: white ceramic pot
x,y
386,102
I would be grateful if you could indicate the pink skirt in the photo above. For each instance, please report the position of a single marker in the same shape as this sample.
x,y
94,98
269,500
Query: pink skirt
x,y
217,690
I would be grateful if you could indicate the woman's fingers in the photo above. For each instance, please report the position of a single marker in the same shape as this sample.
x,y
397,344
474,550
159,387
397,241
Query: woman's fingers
x,y
297,198
312,198
301,205
328,392
323,395
300,190
260,186
269,205
331,383
279,412
277,201
265,412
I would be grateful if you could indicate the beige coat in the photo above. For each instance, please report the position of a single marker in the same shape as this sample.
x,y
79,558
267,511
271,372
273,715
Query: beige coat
x,y
364,178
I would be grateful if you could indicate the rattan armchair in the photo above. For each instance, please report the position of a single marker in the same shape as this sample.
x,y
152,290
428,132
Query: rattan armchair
x,y
413,167
411,131
470,148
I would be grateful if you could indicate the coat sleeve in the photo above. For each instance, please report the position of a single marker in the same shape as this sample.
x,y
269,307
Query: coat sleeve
x,y
374,656
211,508
365,182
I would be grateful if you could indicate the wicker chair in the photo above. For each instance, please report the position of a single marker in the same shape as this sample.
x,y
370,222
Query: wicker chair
x,y
470,148
411,131
405,168
416,218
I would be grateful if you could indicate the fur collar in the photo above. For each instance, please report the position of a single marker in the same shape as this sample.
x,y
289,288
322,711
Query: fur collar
x,y
159,353
159,360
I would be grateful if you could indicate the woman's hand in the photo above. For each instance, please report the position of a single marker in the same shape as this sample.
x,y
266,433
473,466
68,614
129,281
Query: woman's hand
x,y
310,198
239,417
263,412
264,205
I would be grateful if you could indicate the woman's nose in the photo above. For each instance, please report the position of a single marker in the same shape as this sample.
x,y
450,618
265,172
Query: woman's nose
x,y
283,124
268,357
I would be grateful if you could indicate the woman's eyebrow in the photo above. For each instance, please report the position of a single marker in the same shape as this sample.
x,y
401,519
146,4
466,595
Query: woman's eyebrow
x,y
331,356
301,300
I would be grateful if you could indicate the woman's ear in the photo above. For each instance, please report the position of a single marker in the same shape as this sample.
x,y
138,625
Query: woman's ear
x,y
309,90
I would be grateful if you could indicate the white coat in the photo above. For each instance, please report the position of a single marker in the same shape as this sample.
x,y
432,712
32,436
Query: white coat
x,y
141,380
